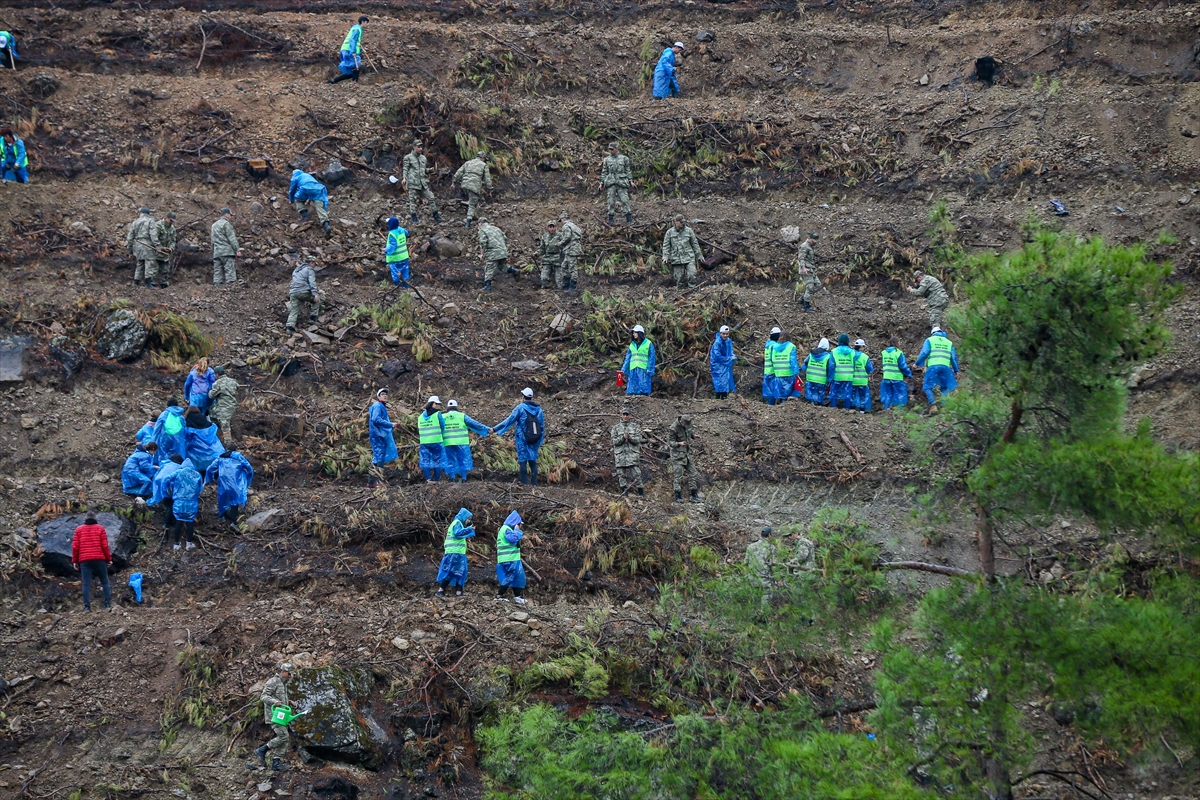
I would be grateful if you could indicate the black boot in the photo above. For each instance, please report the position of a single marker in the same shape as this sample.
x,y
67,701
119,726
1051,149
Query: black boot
x,y
695,497
328,229
610,219
512,271
136,282
304,215
641,492
628,218
415,220
468,222
487,286
437,217
262,754
277,765
678,497
805,306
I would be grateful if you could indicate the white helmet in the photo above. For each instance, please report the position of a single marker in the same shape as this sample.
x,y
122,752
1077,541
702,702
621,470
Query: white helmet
x,y
776,330
527,392
859,343
452,404
724,329
936,329
638,329
433,398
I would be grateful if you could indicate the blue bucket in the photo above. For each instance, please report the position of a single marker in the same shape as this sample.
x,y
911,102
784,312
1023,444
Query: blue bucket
x,y
135,583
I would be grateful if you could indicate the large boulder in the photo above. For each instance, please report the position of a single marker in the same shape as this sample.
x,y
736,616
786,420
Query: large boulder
x,y
12,358
123,337
335,174
55,536
335,726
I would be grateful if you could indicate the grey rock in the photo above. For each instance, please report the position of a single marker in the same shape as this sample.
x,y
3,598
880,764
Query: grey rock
x,y
68,353
335,725
442,247
42,86
187,246
528,365
12,358
335,174
55,537
705,36
263,519
122,337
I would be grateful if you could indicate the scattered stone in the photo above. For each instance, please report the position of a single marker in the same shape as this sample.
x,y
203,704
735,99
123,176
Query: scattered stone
x,y
123,337
705,36
263,519
55,537
519,616
29,421
316,338
79,229
629,604
561,324
1188,132
187,246
400,643
1183,201
333,248
391,341
42,86
789,234
924,80
335,174
442,247
100,477
107,639
394,368
528,365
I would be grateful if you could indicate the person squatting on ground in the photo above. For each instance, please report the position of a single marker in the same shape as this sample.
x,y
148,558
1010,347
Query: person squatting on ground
x,y
474,177
571,243
233,475
395,253
818,373
626,438
223,396
640,363
528,422
204,443
303,292
8,51
91,556
14,160
493,245
198,385
720,363
350,54
844,358
616,178
161,492
682,462
274,693
431,427
860,391
225,249
305,189
185,485
415,179
893,389
549,256
383,440
510,570
457,442
137,476
935,296
681,249
666,83
453,569
940,360
141,240
806,263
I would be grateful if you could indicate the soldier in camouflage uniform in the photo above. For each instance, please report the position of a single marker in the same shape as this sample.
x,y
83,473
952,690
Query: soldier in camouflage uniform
x,y
682,463
572,249
806,261
935,296
761,558
616,176
494,245
223,395
167,235
627,452
225,249
274,693
681,250
416,180
142,243
549,254
474,176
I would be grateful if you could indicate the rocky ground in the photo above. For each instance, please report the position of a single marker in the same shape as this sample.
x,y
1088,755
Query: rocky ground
x,y
851,122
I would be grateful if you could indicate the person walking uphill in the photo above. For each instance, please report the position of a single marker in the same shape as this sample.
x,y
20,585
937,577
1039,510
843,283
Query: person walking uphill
x,y
571,242
510,571
232,474
453,569
473,176
185,485
494,246
720,363
616,178
383,440
935,296
274,693
223,396
666,84
415,179
395,253
818,373
627,438
198,385
528,422
225,249
681,250
14,160
458,441
893,389
302,291
141,241
940,360
305,189
431,427
682,463
350,54
91,556
640,362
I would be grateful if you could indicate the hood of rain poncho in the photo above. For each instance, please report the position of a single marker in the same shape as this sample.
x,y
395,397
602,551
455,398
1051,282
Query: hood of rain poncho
x,y
513,519
463,515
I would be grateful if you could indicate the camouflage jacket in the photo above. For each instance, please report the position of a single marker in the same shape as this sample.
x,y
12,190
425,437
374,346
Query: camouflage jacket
x,y
474,176
681,247
572,239
224,240
274,693
416,173
932,290
223,395
167,235
627,443
550,249
142,238
493,242
616,171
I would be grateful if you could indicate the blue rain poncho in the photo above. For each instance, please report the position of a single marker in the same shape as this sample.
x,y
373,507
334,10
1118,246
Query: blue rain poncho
x,y
383,443
196,388
185,485
458,456
720,364
145,433
841,391
432,456
454,565
665,83
785,385
860,396
512,573
204,446
895,392
170,432
305,187
160,487
814,391
137,476
233,476
938,376
516,421
638,380
351,47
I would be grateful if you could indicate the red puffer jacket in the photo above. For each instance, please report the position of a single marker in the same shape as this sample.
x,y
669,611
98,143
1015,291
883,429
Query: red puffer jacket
x,y
90,544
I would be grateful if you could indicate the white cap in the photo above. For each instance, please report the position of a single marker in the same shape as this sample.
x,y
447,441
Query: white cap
x,y
724,329
638,329
527,392
393,179
936,329
775,330
823,344
452,404
433,398
680,45
383,391
859,343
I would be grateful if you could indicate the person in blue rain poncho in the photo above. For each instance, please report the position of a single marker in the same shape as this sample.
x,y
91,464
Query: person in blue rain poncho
x,y
431,427
860,392
528,422
510,572
185,485
395,253
893,389
383,442
768,381
458,430
665,83
842,389
940,360
720,363
137,476
170,431
818,373
160,491
203,440
199,382
453,569
350,55
233,475
146,433
786,368
640,363
304,189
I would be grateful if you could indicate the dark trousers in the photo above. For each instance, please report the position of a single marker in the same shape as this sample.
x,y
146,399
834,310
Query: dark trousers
x,y
352,76
99,569
531,476
233,513
182,527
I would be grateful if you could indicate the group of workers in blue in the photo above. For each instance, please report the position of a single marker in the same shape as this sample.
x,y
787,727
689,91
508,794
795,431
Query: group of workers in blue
x,y
444,446
510,569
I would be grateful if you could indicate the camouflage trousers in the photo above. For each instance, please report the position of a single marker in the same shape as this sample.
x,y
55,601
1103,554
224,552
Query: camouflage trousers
x,y
937,315
629,477
472,204
552,275
303,298
490,268
224,427
618,195
681,271
146,268
683,465
224,270
279,744
414,200
812,285
569,269
322,212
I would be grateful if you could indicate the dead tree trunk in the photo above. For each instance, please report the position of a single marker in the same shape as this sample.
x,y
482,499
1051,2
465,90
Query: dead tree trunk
x,y
983,530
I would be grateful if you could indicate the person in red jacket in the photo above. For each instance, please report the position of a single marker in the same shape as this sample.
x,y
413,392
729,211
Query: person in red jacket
x,y
91,556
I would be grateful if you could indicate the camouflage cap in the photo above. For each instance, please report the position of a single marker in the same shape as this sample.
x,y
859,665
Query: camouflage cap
x,y
625,412
481,220
481,154
552,223
171,215
417,143
679,217
813,236
226,211
564,215
612,145
144,210
285,667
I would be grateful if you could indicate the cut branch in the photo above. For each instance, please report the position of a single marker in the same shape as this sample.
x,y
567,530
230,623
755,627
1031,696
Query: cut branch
x,y
921,566
853,450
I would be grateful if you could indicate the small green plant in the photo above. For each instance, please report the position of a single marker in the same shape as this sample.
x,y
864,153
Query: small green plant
x,y
396,318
